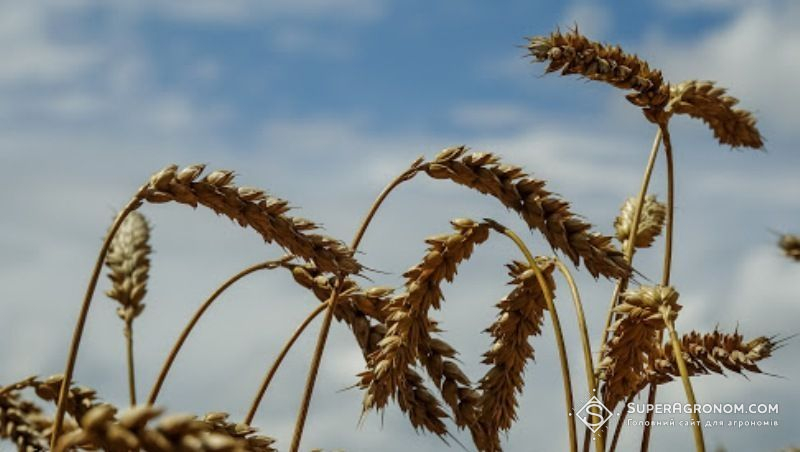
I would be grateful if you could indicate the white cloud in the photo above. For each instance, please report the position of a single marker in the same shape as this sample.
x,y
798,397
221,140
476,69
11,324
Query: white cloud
x,y
754,55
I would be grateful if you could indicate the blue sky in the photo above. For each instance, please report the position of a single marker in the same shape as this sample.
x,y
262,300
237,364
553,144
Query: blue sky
x,y
322,102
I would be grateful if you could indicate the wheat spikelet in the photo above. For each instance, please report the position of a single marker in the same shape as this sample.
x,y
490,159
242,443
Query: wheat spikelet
x,y
539,208
711,104
21,421
80,399
651,222
250,207
100,427
711,353
521,316
790,244
129,265
573,53
635,340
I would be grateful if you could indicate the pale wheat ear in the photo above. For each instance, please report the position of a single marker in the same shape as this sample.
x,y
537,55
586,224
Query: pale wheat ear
x,y
128,261
651,222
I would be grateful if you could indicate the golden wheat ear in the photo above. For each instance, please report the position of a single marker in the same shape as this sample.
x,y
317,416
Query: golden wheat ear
x,y
250,207
706,101
521,316
539,208
651,222
102,428
128,261
573,53
634,340
22,422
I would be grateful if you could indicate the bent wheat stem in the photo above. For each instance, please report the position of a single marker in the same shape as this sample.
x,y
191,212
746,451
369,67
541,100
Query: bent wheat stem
x,y
562,350
196,317
629,249
132,205
591,379
331,304
279,360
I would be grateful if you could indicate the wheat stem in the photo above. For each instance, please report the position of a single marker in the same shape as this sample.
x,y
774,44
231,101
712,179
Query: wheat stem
x,y
132,205
687,385
620,423
331,304
196,317
128,333
562,350
591,379
279,360
630,248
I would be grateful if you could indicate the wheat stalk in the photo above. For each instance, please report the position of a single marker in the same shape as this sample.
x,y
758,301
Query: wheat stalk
x,y
539,208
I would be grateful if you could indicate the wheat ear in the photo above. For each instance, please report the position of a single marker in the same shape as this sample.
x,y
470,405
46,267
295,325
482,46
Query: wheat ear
x,y
129,264
710,103
790,244
21,421
651,222
540,209
520,317
102,428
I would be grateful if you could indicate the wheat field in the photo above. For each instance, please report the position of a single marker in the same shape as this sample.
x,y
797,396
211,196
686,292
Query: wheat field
x,y
560,305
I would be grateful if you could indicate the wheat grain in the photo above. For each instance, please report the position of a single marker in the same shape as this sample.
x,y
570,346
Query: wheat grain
x,y
711,104
521,316
654,213
539,208
250,207
634,340
790,244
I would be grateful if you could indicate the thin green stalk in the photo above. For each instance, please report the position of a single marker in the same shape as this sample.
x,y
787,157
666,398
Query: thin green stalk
x,y
279,360
326,323
562,350
128,332
591,378
196,317
77,334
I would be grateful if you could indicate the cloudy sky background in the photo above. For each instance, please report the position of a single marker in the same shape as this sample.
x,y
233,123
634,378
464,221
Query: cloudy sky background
x,y
323,102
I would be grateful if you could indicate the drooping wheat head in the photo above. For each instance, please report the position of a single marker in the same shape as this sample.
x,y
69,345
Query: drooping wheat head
x,y
521,316
703,100
540,209
250,207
